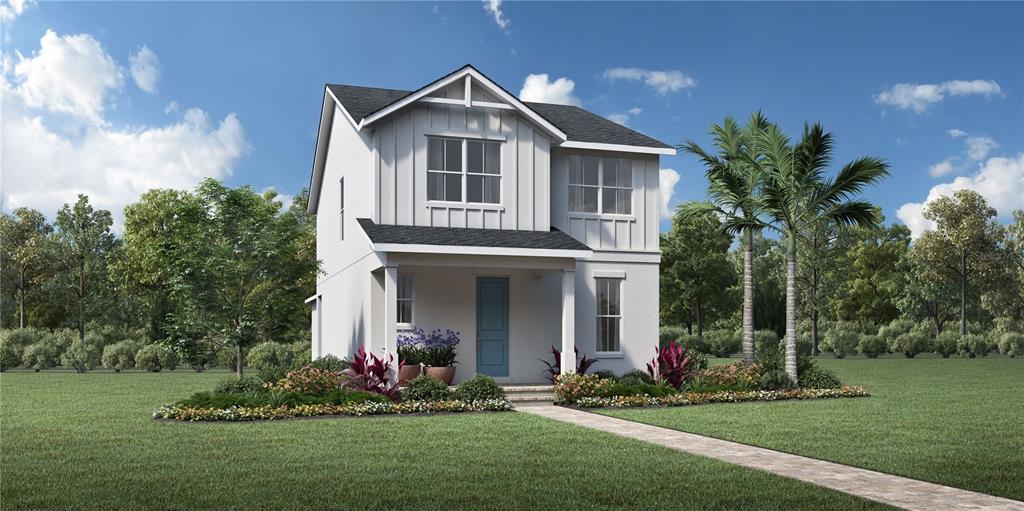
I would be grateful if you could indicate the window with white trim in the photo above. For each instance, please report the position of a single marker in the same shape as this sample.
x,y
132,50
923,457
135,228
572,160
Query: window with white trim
x,y
341,208
463,168
602,185
404,299
609,314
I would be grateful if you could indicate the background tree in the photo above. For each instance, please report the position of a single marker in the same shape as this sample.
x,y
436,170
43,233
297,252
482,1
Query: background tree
x,y
964,246
83,245
1004,297
24,243
817,251
733,182
869,282
797,195
925,294
696,272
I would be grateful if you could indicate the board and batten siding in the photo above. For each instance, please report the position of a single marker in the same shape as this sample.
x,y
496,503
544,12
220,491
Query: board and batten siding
x,y
400,167
635,232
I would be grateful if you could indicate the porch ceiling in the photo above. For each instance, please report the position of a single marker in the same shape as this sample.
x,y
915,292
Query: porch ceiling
x,y
460,240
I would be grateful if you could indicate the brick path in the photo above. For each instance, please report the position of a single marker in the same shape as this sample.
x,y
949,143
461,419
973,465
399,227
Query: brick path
x,y
888,489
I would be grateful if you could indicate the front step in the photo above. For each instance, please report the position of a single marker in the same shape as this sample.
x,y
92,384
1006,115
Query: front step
x,y
529,393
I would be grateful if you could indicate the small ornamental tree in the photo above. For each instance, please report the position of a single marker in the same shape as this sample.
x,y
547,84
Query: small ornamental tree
x,y
911,343
872,346
82,356
155,357
39,356
120,355
946,343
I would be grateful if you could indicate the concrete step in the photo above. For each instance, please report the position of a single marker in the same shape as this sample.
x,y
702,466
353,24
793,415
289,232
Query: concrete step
x,y
517,397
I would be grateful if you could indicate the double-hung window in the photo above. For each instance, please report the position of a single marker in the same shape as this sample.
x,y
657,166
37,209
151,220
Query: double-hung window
x,y
600,185
341,208
463,168
404,300
609,314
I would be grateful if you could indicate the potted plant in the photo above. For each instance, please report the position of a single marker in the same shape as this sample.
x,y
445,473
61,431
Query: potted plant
x,y
439,354
410,355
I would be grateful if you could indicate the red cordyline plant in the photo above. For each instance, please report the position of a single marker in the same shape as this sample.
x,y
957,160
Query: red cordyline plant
x,y
553,370
672,365
371,374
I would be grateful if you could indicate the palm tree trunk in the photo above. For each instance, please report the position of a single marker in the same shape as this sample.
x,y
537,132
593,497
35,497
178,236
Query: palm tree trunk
x,y
791,308
748,297
963,292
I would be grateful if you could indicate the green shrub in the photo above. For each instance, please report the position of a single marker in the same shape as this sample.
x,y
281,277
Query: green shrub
x,y
765,339
973,345
155,357
818,378
1011,344
120,355
225,357
39,356
302,353
670,333
479,388
10,354
17,340
872,346
81,356
59,341
911,343
606,373
425,388
223,400
694,344
622,389
636,375
723,343
894,329
775,380
246,385
269,356
841,341
331,363
569,388
945,344
735,376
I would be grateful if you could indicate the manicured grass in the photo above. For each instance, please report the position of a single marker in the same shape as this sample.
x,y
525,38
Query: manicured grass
x,y
86,441
952,421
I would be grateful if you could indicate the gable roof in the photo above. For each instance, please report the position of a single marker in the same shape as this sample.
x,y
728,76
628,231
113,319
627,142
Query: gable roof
x,y
583,126
418,238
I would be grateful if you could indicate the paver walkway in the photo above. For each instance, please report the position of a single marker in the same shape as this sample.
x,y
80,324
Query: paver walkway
x,y
888,489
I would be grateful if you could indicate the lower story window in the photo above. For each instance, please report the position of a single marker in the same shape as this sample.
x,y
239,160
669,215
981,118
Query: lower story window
x,y
405,299
609,314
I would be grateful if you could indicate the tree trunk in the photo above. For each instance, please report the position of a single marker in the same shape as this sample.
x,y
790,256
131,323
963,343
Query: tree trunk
x,y
21,298
791,308
81,300
814,332
689,328
700,321
963,292
748,297
238,360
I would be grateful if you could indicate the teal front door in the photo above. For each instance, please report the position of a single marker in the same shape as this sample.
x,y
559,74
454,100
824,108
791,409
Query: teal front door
x,y
492,326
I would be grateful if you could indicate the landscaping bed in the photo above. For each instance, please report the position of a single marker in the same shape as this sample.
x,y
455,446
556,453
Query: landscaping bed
x,y
361,389
700,398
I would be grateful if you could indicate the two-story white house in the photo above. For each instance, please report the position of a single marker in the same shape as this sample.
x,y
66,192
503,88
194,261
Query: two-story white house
x,y
457,206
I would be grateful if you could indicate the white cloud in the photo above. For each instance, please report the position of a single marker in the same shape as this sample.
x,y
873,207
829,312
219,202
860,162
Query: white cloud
x,y
668,178
942,168
919,97
44,167
1000,180
623,117
979,146
955,133
661,81
171,107
70,74
10,9
494,8
539,88
145,67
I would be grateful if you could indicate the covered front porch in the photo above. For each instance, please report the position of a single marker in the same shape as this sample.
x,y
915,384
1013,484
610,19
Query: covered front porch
x,y
508,310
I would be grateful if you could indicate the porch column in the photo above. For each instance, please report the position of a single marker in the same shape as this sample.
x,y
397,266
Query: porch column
x,y
568,321
391,317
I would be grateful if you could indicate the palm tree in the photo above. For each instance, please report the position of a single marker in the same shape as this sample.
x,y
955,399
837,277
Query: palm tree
x,y
734,180
798,195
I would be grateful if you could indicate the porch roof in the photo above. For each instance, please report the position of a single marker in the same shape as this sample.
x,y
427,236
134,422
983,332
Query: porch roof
x,y
417,238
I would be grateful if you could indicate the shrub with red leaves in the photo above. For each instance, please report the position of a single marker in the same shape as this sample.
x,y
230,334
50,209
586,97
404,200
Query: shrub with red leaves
x,y
370,373
555,369
672,365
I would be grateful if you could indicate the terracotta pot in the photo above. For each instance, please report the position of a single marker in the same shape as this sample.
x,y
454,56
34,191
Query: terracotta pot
x,y
407,373
445,374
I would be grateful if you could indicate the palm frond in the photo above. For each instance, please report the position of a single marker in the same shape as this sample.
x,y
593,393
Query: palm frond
x,y
851,180
853,213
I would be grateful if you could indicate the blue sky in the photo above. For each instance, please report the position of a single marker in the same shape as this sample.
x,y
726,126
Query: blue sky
x,y
234,89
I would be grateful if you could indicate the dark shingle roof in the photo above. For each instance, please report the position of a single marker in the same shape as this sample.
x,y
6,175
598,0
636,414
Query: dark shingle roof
x,y
469,237
578,124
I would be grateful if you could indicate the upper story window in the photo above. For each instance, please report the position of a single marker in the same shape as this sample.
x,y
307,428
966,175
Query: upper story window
x,y
458,168
602,185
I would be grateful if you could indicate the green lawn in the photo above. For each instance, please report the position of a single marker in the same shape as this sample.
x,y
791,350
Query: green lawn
x,y
86,441
958,422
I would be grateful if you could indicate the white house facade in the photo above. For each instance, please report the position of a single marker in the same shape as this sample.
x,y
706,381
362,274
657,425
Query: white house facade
x,y
522,226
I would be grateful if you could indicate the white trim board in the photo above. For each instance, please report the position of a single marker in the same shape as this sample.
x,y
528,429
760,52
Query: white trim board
x,y
470,250
572,144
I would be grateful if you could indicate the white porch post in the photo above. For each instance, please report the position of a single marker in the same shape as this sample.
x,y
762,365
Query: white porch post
x,y
391,317
568,321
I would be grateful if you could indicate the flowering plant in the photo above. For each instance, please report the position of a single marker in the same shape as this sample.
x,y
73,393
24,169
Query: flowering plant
x,y
672,365
310,380
372,374
411,347
570,388
699,398
252,413
439,348
742,375
553,370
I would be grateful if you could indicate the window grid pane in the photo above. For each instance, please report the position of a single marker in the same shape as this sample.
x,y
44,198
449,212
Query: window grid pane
x,y
609,314
404,299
